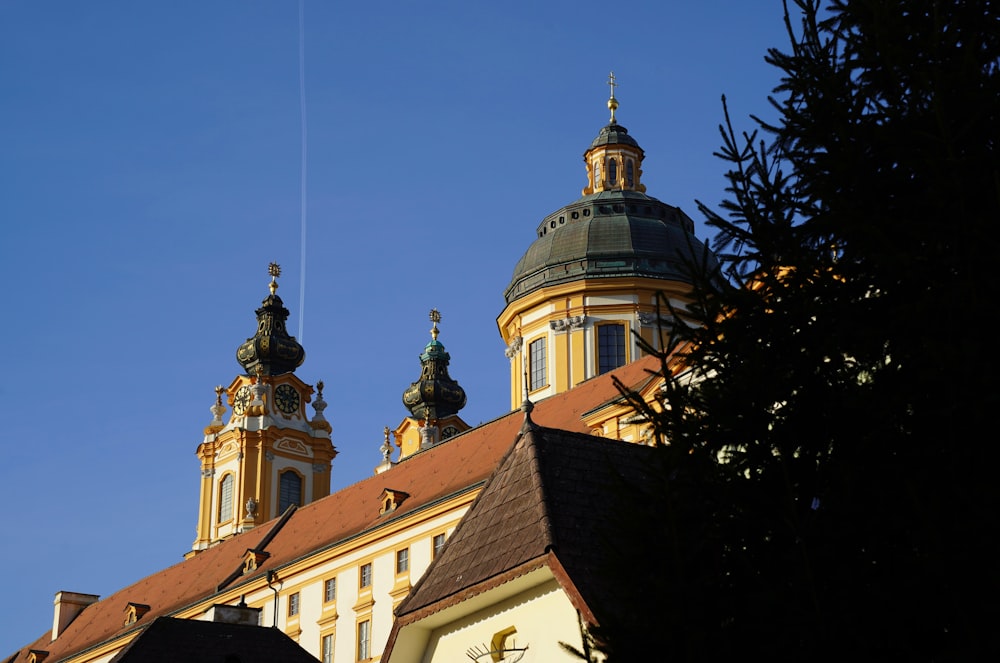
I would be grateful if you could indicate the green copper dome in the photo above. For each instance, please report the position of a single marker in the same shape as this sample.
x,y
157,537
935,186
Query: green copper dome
x,y
608,234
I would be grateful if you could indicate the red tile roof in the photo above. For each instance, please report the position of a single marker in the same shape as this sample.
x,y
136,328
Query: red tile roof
x,y
459,464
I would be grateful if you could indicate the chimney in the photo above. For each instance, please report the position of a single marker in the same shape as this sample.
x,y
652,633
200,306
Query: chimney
x,y
68,606
233,614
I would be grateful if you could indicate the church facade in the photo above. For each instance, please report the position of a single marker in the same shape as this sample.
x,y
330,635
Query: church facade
x,y
334,571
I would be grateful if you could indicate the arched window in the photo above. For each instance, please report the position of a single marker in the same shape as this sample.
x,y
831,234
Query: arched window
x,y
613,172
597,174
630,173
226,498
289,490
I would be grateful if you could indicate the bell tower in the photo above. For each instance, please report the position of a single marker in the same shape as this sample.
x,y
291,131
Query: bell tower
x,y
269,454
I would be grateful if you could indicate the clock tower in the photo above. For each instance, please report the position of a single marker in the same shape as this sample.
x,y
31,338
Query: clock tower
x,y
268,455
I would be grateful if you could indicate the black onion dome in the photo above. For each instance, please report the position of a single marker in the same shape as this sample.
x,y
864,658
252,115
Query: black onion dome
x,y
271,348
605,235
435,395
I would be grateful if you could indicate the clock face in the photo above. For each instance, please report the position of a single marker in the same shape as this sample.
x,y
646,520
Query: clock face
x,y
449,431
241,400
286,398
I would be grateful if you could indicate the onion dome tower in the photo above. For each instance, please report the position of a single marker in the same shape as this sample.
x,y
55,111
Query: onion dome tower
x,y
269,455
433,400
271,351
591,277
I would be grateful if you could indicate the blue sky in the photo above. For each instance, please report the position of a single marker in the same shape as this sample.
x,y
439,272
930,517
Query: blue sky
x,y
151,169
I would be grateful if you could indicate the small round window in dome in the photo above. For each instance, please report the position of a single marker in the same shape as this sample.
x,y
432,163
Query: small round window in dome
x,y
575,215
552,224
586,212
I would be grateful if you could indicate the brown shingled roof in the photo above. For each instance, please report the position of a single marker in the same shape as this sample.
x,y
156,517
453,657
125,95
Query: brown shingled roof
x,y
459,464
557,492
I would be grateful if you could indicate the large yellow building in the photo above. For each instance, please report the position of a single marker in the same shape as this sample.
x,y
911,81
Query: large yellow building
x,y
330,569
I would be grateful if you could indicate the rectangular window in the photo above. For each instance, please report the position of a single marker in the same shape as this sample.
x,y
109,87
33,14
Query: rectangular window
x,y
293,604
438,544
366,575
402,560
364,635
536,364
610,347
289,490
226,498
330,590
327,649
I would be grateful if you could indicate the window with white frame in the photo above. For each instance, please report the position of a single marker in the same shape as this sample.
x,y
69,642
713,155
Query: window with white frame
x,y
326,648
610,347
289,490
365,576
226,498
364,640
402,560
438,544
536,364
330,590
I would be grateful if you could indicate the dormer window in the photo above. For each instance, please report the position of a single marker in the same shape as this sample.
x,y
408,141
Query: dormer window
x,y
252,559
390,499
37,655
134,612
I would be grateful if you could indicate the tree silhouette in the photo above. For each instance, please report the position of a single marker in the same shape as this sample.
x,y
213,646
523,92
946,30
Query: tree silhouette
x,y
831,461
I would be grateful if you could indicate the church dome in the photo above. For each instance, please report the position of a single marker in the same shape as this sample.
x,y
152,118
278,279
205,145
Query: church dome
x,y
611,233
614,134
615,230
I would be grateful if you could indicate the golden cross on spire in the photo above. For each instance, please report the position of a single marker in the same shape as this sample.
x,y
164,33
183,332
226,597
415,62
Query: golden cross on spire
x,y
612,102
435,318
274,269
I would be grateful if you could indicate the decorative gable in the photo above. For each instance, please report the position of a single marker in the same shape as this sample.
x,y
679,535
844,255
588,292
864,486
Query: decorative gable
x,y
134,612
390,499
37,655
252,559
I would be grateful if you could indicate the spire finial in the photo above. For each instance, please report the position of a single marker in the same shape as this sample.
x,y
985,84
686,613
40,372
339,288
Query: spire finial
x,y
386,448
274,269
612,102
435,318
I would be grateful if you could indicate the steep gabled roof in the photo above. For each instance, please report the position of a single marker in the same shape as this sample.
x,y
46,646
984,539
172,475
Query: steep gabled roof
x,y
459,464
555,494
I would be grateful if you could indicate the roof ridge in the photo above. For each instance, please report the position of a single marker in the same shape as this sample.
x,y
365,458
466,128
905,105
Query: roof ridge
x,y
538,482
261,545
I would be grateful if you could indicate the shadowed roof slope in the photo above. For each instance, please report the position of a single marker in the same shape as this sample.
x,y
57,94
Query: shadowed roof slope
x,y
168,640
557,492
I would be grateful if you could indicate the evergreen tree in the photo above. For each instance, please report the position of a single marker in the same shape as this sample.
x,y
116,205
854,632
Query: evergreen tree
x,y
831,460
